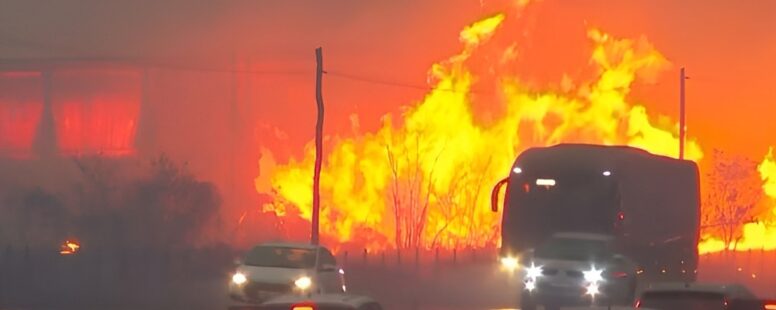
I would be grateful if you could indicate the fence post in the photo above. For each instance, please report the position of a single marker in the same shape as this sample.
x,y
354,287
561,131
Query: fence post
x,y
762,262
365,256
749,263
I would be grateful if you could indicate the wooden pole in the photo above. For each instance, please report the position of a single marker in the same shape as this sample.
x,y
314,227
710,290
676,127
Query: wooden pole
x,y
682,124
318,147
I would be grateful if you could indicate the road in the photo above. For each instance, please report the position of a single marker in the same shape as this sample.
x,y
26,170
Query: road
x,y
472,286
451,287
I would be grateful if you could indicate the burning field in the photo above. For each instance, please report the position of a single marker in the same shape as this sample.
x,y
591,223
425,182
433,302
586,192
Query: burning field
x,y
423,179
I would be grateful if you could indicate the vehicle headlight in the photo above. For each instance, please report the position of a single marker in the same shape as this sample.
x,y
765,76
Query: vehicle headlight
x,y
530,285
510,263
533,272
592,289
303,283
239,278
593,275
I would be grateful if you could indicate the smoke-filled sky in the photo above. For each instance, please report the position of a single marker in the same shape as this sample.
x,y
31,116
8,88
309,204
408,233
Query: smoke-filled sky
x,y
728,47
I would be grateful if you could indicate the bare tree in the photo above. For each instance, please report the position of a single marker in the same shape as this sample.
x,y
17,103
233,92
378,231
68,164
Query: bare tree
x,y
735,188
458,205
412,189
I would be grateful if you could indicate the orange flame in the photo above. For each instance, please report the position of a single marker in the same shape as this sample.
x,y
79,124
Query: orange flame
x,y
761,233
425,181
69,247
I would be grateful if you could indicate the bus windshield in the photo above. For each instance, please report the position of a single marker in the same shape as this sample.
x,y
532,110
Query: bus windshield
x,y
573,249
542,204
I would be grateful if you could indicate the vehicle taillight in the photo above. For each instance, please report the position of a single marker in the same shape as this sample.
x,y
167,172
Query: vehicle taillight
x,y
770,306
620,274
621,216
303,307
637,304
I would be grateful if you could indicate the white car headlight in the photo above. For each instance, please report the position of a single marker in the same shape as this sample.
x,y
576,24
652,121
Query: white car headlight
x,y
510,263
593,275
239,278
533,272
303,283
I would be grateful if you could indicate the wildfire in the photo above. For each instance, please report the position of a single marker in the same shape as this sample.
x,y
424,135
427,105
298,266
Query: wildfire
x,y
759,234
69,247
425,181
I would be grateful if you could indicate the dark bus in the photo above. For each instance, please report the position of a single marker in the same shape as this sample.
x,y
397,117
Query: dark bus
x,y
649,203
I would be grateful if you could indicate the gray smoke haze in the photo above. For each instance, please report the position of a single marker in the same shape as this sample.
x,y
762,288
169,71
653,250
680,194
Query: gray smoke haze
x,y
111,205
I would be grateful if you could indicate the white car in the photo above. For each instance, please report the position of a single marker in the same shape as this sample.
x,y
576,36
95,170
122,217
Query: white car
x,y
321,302
273,269
577,269
691,296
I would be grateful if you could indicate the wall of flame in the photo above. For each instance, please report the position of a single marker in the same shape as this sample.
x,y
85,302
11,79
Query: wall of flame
x,y
424,180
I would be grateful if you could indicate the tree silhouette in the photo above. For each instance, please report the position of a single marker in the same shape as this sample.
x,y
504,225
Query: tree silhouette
x,y
734,189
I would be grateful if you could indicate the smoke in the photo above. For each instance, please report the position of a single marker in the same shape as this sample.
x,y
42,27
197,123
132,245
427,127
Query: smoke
x,y
111,205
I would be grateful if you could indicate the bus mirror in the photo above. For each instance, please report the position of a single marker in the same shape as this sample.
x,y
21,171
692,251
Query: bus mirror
x,y
494,194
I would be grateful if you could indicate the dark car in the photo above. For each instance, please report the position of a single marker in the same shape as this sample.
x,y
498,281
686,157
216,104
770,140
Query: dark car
x,y
692,296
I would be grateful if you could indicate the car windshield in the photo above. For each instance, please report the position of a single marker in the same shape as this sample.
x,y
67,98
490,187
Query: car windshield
x,y
280,257
573,249
683,301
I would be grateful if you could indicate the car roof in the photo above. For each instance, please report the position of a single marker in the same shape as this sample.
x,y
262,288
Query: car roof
x,y
294,245
338,299
731,290
583,236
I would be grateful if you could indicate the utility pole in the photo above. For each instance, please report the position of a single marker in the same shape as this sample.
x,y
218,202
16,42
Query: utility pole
x,y
314,239
682,124
233,133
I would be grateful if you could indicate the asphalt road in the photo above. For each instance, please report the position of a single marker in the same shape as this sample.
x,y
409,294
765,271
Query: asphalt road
x,y
463,287
470,286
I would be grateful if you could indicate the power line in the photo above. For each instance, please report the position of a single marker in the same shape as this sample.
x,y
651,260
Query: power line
x,y
133,61
400,84
149,63
375,81
180,67
183,67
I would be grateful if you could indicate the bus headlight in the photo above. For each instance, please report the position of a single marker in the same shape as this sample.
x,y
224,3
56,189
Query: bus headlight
x,y
510,263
